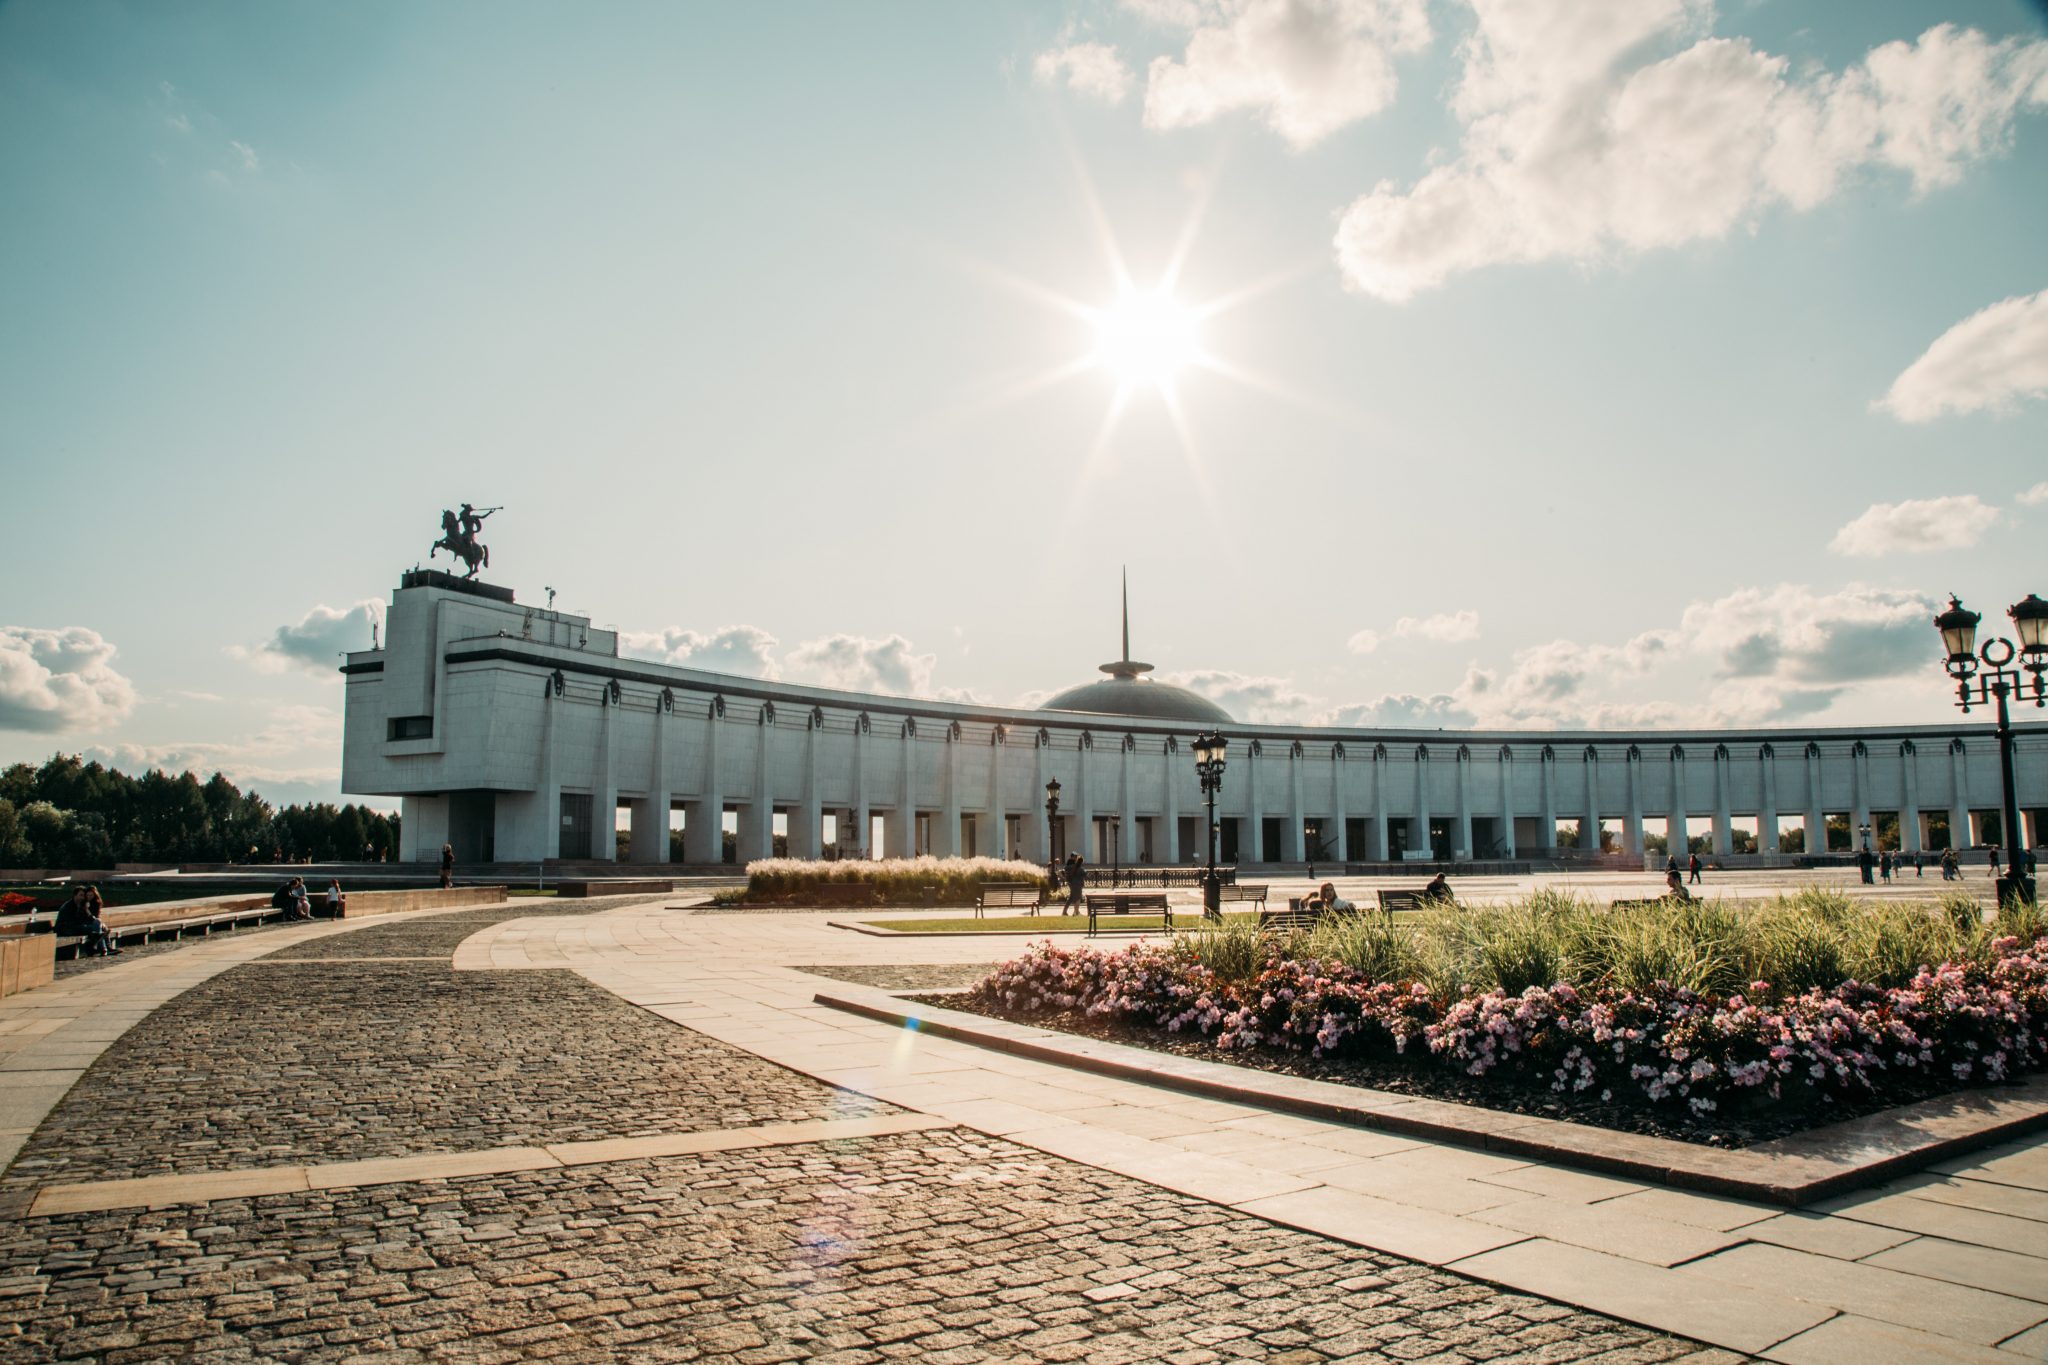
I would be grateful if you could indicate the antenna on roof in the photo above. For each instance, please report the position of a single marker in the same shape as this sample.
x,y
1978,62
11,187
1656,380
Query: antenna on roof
x,y
1127,612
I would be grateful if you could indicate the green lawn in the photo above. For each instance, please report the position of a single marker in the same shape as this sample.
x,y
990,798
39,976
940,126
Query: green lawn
x,y
1043,924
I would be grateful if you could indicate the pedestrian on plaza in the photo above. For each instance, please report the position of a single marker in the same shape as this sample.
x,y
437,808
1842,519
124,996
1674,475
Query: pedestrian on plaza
x,y
1916,864
1693,866
1866,863
1884,867
1671,865
1077,882
336,902
1948,864
1994,862
447,866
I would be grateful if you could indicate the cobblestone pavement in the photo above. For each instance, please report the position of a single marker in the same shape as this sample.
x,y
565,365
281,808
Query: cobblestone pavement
x,y
907,977
282,1061
945,1245
940,1247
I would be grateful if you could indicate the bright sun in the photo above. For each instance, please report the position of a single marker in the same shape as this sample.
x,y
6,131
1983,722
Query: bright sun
x,y
1146,338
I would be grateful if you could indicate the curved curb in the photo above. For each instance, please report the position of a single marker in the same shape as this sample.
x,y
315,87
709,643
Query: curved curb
x,y
1788,1172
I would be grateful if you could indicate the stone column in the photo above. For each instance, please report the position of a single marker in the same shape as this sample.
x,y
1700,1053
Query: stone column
x,y
1506,764
1253,839
1767,819
1632,831
1127,802
903,829
1589,828
1084,800
1292,846
1724,820
650,816
1909,818
704,822
1169,795
1859,811
1039,777
808,841
1816,816
998,810
1547,784
946,838
1338,759
861,813
1959,795
757,827
1464,850
1677,831
1379,804
1422,813
604,792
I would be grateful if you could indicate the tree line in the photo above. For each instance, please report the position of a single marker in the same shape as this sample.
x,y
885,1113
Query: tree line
x,y
69,813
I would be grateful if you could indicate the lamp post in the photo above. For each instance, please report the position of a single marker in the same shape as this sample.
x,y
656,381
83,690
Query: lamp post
x,y
1997,681
1052,825
1210,748
1116,848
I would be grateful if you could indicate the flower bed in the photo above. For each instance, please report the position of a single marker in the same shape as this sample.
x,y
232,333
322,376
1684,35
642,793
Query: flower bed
x,y
882,881
1691,1059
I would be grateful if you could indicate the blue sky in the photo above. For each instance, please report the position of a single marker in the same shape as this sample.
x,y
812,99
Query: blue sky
x,y
1649,362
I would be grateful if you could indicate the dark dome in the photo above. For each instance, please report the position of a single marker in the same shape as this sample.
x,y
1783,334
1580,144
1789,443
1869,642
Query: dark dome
x,y
1131,696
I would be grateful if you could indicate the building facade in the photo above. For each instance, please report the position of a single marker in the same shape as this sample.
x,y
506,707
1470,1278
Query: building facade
x,y
520,734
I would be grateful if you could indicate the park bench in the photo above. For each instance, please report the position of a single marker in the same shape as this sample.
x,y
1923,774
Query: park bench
x,y
1252,893
1646,903
1405,901
1297,916
203,924
1008,896
1129,903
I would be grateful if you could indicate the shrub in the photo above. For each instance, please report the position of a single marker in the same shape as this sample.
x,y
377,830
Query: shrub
x,y
882,881
1841,1002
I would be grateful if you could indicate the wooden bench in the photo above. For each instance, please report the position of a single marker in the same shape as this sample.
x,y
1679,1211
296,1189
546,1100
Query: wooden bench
x,y
1402,902
1297,916
1646,904
1008,896
1250,894
1129,903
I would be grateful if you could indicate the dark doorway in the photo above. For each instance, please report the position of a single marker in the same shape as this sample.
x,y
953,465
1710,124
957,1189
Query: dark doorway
x,y
576,824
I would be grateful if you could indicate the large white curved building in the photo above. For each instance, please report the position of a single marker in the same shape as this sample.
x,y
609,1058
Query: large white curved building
x,y
516,733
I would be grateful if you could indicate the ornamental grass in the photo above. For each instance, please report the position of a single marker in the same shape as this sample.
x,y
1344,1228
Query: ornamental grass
x,y
882,881
1811,999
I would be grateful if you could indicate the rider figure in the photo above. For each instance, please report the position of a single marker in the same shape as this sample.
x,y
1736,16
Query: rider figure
x,y
473,521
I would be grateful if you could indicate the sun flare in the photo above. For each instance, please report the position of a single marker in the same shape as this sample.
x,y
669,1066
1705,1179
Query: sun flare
x,y
1147,338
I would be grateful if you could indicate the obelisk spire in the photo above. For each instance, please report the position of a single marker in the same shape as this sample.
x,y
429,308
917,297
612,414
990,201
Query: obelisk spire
x,y
1127,612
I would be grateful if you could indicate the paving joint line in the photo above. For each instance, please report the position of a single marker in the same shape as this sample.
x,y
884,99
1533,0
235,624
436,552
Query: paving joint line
x,y
205,1187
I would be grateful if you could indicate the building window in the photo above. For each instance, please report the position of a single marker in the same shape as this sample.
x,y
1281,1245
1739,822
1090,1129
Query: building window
x,y
409,727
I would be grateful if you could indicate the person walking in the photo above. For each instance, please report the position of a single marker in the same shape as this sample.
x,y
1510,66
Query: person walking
x,y
1917,860
1692,866
447,866
1884,867
1994,862
1077,882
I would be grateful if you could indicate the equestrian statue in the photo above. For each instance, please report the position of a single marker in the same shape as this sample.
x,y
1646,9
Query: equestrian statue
x,y
458,537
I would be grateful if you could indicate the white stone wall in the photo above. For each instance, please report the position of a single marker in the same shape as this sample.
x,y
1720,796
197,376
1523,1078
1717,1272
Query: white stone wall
x,y
527,719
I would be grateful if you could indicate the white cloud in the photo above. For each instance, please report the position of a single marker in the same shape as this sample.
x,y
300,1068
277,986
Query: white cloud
x,y
1092,69
1795,637
1988,360
316,641
1266,701
2036,496
1917,526
1306,67
1445,628
1601,128
745,650
1402,711
54,681
858,664
246,154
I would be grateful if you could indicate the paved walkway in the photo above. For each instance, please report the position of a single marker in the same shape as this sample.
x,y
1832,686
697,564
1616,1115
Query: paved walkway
x,y
396,1139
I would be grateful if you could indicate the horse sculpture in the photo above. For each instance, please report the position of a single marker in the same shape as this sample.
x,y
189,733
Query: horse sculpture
x,y
460,542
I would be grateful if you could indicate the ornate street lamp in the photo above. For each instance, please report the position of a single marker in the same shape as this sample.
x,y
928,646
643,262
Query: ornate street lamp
x,y
1116,848
1996,681
1210,748
1052,824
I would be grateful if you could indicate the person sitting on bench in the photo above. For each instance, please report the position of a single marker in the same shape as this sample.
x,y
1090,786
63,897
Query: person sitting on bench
x,y
1334,903
1439,889
80,919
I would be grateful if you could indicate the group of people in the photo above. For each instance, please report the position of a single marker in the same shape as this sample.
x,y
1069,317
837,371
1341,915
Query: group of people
x,y
297,903
80,918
